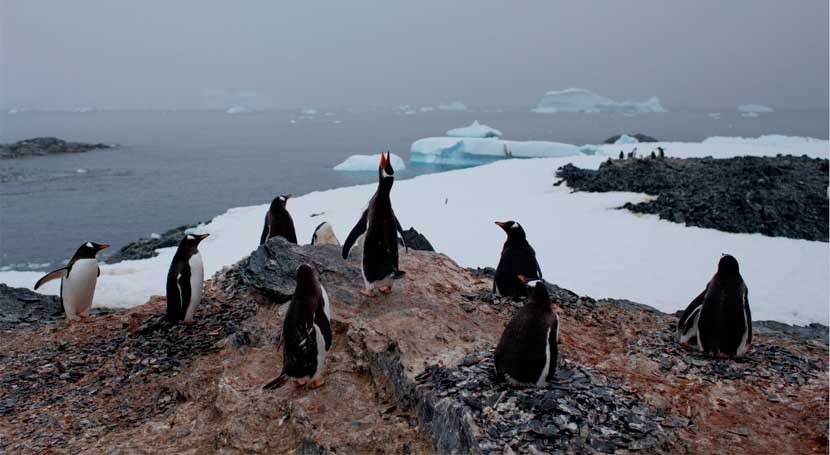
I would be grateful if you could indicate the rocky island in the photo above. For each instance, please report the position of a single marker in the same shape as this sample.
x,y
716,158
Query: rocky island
x,y
41,146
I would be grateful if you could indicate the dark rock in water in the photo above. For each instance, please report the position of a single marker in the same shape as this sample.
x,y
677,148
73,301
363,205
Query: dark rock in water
x,y
40,146
272,269
639,136
416,240
22,306
776,196
146,247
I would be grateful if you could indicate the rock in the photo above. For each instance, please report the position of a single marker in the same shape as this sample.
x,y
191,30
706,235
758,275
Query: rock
x,y
777,196
416,240
146,247
639,136
40,146
22,306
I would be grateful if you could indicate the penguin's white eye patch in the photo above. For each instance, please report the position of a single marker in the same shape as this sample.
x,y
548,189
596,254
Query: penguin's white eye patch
x,y
515,226
533,283
190,237
89,244
282,198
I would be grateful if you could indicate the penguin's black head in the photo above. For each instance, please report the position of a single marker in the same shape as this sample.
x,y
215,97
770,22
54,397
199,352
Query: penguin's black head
x,y
280,201
89,249
307,279
536,290
190,242
306,273
513,229
728,264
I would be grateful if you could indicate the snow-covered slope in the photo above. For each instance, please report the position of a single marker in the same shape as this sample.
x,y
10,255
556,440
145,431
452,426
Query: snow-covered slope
x,y
474,130
582,100
583,242
368,163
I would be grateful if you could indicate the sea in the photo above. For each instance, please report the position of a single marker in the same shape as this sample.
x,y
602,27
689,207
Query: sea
x,y
180,167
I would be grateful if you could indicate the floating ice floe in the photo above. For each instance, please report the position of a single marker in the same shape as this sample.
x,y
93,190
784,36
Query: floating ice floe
x,y
714,115
754,109
582,100
368,163
454,106
474,130
238,110
472,150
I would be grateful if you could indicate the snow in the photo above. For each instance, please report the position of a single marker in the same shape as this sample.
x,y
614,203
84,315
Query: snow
x,y
368,163
582,100
471,150
626,139
755,108
474,130
238,110
582,241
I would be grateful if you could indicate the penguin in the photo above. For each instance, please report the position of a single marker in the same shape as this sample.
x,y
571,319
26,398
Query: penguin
x,y
653,155
661,153
528,349
517,258
380,244
324,235
185,278
78,280
622,155
278,221
718,321
306,332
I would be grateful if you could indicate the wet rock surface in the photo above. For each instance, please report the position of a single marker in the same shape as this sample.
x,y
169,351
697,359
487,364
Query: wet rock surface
x,y
41,146
782,196
146,247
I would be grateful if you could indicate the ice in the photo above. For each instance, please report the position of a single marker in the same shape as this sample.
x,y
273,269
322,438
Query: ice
x,y
470,150
714,115
308,111
583,242
454,106
750,114
368,163
238,110
582,100
755,108
626,139
474,130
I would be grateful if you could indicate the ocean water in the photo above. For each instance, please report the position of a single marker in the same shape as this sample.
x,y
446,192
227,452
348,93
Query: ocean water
x,y
179,167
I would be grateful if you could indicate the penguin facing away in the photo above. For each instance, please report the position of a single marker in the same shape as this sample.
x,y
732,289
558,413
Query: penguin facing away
x,y
718,321
306,332
517,258
529,346
278,221
78,280
380,244
622,155
185,279
324,235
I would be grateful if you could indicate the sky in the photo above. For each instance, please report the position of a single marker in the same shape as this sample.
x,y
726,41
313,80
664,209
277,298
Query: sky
x,y
270,54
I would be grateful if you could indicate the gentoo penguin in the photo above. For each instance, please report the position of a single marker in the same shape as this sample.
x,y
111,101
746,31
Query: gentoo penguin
x,y
380,245
661,153
78,280
517,258
653,155
306,332
324,235
622,155
185,278
718,320
528,348
278,221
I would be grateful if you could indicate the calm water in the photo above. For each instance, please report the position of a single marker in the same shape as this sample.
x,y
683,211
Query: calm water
x,y
180,167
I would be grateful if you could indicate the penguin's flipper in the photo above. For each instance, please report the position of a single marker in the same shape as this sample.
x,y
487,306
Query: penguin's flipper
x,y
357,231
183,283
324,325
53,275
400,231
687,325
264,235
553,345
748,316
276,383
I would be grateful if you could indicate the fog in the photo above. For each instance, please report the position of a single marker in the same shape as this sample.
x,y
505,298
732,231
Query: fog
x,y
198,54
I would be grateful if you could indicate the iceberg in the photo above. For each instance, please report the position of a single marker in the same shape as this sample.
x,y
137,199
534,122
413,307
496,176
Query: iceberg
x,y
454,106
754,108
714,115
470,151
238,110
474,130
626,139
367,163
582,100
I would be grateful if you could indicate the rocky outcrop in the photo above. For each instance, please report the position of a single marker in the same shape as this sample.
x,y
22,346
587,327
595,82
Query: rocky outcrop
x,y
146,247
781,196
22,307
416,240
409,372
639,136
40,146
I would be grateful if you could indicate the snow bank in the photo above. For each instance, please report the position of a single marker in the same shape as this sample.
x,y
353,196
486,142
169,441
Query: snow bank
x,y
474,130
471,150
368,163
581,100
755,108
626,139
582,241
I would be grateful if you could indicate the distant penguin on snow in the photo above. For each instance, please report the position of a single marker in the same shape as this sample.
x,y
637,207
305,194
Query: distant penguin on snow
x,y
78,280
529,346
324,235
380,244
718,321
517,258
306,332
185,279
622,155
278,221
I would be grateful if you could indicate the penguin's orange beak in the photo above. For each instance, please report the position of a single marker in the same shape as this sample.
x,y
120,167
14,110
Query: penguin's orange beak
x,y
522,279
383,160
102,246
202,236
501,224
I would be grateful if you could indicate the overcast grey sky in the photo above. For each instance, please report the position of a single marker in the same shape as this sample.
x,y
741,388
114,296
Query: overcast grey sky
x,y
165,54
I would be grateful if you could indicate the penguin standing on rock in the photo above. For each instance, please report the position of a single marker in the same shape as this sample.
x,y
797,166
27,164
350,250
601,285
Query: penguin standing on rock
x,y
528,348
380,245
718,321
78,280
185,279
306,332
278,221
324,235
517,258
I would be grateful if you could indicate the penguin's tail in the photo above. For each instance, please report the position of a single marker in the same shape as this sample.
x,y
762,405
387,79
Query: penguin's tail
x,y
276,383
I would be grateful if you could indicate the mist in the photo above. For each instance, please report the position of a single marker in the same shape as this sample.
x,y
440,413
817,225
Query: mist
x,y
211,54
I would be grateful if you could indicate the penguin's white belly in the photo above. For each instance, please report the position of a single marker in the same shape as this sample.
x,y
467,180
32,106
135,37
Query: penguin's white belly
x,y
78,289
321,352
197,278
543,378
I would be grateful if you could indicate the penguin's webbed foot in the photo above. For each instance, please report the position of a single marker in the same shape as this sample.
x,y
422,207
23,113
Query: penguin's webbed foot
x,y
368,292
385,289
315,383
299,383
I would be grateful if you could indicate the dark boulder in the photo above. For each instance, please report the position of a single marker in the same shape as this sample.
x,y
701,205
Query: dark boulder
x,y
416,240
146,247
22,306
